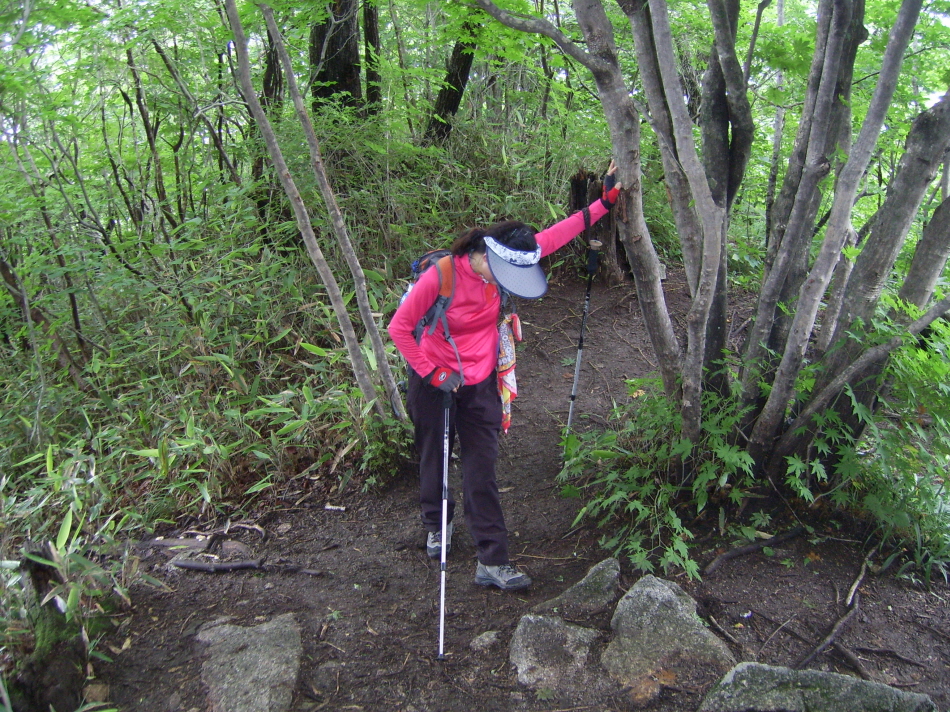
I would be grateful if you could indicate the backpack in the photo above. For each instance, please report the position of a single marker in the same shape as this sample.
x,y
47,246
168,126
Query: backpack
x,y
441,259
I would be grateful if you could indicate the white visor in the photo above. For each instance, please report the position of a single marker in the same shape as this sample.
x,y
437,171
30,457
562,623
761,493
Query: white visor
x,y
517,271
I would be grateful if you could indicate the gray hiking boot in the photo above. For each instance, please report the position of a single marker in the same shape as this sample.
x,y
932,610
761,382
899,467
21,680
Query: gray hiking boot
x,y
506,577
434,542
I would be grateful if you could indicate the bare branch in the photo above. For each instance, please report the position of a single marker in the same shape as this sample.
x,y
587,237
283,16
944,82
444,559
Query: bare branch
x,y
538,26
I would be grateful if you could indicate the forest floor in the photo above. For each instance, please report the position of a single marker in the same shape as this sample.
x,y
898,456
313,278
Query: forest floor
x,y
359,582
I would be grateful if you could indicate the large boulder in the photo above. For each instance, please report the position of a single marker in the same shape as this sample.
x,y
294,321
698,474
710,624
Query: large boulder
x,y
589,596
549,653
751,687
659,639
252,669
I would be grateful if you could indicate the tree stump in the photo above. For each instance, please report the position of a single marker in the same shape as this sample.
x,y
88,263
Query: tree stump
x,y
585,188
52,677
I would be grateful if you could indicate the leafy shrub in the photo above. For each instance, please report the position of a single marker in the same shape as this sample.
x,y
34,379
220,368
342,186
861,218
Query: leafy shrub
x,y
629,472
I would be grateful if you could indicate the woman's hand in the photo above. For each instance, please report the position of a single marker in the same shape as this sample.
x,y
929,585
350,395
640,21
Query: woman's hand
x,y
611,186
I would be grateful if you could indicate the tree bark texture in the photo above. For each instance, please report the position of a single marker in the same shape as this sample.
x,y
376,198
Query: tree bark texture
x,y
838,230
335,55
727,130
684,213
797,202
928,142
371,52
712,218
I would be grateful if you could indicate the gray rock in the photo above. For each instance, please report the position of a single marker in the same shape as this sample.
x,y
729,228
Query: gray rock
x,y
659,640
550,653
751,687
486,640
252,669
589,596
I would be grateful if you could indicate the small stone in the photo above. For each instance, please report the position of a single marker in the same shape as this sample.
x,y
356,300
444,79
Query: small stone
x,y
486,640
96,692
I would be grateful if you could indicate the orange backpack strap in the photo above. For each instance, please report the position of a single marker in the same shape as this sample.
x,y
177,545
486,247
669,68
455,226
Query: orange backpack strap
x,y
436,313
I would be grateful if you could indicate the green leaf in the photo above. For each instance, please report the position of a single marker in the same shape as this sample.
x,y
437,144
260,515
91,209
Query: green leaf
x,y
292,426
313,349
64,529
257,487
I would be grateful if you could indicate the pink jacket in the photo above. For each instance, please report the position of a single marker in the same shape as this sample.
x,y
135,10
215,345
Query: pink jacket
x,y
473,314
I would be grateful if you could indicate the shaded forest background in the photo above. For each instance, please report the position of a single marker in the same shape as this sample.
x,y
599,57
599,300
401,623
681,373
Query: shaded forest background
x,y
183,332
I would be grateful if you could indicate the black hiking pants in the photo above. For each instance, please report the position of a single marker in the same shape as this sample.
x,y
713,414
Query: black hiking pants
x,y
475,415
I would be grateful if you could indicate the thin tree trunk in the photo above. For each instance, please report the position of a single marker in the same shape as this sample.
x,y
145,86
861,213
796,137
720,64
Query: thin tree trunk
x,y
151,131
868,362
928,141
450,95
403,70
712,218
33,315
183,88
336,219
33,183
930,258
681,200
801,198
747,66
363,379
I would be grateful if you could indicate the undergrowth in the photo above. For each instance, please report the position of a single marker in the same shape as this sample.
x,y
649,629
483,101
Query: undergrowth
x,y
212,378
641,480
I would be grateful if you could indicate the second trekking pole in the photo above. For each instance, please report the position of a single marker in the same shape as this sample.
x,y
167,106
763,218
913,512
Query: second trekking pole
x,y
447,406
592,261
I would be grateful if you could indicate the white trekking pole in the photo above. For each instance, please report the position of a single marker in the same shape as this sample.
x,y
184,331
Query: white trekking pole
x,y
447,405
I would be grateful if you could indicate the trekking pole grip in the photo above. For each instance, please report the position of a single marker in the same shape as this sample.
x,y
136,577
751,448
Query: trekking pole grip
x,y
593,252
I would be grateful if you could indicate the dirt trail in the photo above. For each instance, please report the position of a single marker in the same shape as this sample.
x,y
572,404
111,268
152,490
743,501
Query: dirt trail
x,y
366,595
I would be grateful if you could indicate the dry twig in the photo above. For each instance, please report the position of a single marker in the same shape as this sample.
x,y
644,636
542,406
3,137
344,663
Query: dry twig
x,y
751,549
830,638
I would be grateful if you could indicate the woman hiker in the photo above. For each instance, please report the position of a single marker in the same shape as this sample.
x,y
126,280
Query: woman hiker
x,y
505,255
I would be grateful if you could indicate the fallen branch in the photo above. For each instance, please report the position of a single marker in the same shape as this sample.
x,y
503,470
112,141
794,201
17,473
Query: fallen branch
x,y
774,633
751,549
854,661
218,567
835,631
849,657
725,633
853,591
892,653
